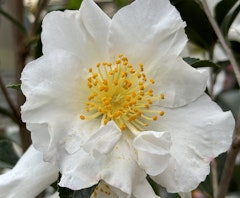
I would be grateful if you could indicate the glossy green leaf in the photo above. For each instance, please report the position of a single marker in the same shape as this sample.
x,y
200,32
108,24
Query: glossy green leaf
x,y
228,20
14,86
222,9
7,153
73,4
195,62
68,193
198,29
13,20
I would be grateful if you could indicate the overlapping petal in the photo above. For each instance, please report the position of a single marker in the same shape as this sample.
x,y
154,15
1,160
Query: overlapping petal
x,y
152,32
28,178
83,32
86,152
153,151
200,131
146,30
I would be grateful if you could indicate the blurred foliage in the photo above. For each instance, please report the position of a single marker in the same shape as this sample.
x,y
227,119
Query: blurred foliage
x,y
199,32
8,155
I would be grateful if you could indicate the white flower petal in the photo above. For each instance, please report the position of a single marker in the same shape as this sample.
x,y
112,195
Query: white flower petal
x,y
53,80
74,30
79,170
122,172
199,131
103,190
146,30
180,83
153,151
59,93
104,140
29,177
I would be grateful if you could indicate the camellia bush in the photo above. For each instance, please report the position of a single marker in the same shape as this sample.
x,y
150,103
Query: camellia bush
x,y
120,106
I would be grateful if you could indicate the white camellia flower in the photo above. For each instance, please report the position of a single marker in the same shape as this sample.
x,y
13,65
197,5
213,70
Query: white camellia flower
x,y
111,101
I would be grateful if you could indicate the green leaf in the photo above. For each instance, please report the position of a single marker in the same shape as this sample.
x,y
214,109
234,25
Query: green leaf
x,y
228,20
198,29
121,3
7,153
73,4
13,20
68,193
196,62
222,9
14,86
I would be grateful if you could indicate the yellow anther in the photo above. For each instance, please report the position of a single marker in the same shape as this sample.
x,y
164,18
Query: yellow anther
x,y
89,85
128,98
152,81
101,88
155,117
123,127
132,118
141,87
105,82
110,72
161,113
162,96
94,75
105,121
121,92
132,71
115,82
134,94
149,101
139,97
150,93
118,61
125,59
124,74
82,117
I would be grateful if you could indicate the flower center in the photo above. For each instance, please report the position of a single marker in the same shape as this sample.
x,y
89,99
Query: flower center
x,y
122,94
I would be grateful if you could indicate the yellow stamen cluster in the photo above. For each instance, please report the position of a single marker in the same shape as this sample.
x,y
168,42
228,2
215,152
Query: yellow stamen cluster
x,y
121,93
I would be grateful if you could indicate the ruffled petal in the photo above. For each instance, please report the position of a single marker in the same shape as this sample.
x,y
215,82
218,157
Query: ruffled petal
x,y
178,81
153,151
103,190
199,131
146,30
79,169
104,140
28,178
122,172
83,32
59,93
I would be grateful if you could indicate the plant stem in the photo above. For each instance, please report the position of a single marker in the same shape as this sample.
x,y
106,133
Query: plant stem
x,y
9,101
222,41
230,162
